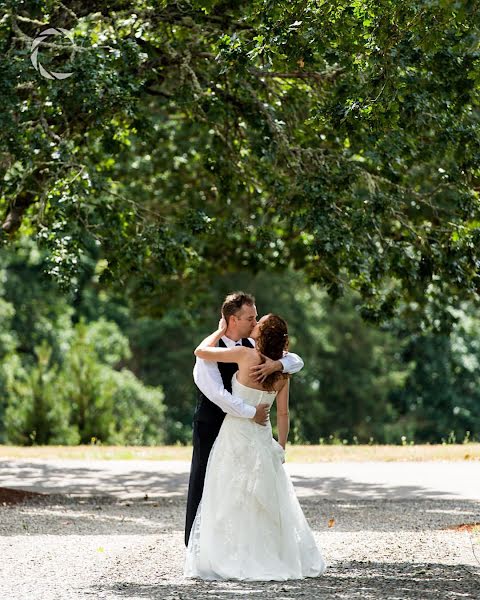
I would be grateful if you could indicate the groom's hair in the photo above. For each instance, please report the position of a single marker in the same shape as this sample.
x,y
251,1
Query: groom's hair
x,y
234,302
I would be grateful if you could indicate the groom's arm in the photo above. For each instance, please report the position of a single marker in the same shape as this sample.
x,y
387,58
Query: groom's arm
x,y
290,363
209,381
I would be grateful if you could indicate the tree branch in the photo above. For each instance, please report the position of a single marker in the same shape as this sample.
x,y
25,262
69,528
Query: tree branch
x,y
13,218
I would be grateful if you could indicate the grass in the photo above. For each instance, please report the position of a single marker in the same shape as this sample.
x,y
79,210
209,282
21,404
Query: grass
x,y
300,454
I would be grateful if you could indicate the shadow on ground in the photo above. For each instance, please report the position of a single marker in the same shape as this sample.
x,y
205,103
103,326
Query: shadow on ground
x,y
53,478
347,580
124,482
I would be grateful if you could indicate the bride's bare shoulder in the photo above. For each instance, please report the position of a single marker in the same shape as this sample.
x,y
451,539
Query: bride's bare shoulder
x,y
252,355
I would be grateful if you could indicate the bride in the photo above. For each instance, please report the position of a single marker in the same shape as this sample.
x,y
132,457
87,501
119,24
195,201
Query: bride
x,y
249,524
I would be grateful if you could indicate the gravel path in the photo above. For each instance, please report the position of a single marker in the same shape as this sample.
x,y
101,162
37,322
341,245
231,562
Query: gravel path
x,y
71,546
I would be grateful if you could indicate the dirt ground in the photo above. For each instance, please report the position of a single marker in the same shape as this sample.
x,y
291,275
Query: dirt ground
x,y
384,542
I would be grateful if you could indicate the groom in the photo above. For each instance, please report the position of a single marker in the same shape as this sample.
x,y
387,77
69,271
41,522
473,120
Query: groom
x,y
214,398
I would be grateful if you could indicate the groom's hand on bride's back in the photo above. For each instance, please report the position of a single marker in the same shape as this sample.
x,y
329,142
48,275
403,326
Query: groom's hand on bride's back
x,y
260,372
262,414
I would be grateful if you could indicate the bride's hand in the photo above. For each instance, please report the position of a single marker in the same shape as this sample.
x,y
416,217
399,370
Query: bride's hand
x,y
222,325
279,449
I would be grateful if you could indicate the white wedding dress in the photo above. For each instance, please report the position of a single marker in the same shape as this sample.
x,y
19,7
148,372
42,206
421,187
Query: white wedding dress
x,y
249,524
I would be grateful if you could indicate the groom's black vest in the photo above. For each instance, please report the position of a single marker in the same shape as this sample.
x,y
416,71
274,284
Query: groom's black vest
x,y
208,412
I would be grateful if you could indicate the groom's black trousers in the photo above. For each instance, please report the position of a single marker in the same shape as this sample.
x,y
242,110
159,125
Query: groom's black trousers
x,y
204,435
207,421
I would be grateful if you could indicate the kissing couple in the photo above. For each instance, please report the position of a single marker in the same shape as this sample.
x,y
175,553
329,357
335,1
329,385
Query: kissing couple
x,y
243,520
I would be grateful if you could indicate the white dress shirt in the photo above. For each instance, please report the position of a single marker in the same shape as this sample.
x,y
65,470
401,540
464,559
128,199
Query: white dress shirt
x,y
206,375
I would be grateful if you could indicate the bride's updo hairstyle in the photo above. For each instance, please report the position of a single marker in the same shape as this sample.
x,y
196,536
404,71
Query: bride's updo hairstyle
x,y
272,341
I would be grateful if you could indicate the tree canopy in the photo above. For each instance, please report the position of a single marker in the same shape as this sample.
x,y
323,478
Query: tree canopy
x,y
339,139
